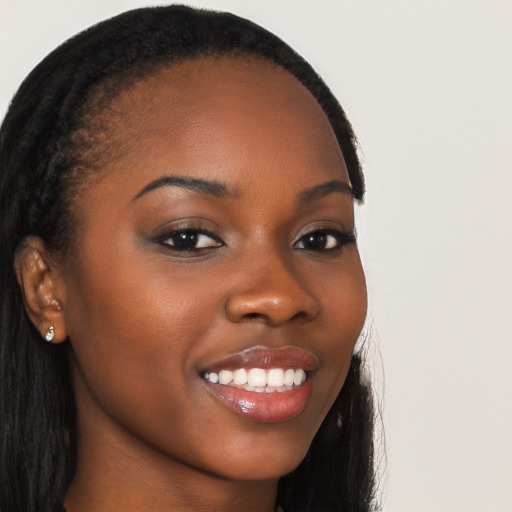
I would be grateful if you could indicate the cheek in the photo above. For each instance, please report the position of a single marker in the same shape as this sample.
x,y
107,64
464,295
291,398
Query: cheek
x,y
344,299
133,330
135,343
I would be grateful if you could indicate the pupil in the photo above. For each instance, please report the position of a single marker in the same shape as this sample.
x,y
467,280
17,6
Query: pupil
x,y
316,241
185,240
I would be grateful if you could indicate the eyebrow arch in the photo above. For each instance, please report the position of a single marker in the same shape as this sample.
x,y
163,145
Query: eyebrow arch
x,y
210,187
319,191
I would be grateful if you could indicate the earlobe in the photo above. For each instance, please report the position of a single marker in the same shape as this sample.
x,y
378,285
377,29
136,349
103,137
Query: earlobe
x,y
42,289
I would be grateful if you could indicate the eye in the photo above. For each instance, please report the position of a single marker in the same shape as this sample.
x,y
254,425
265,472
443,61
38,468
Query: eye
x,y
324,240
189,240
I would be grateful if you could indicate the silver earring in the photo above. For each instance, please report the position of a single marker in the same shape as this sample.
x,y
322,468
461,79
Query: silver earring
x,y
340,421
50,333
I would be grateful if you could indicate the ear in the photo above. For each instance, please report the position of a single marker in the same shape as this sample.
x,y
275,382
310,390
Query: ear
x,y
40,279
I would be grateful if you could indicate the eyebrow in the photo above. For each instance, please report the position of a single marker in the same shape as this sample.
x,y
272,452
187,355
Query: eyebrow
x,y
218,189
319,191
203,186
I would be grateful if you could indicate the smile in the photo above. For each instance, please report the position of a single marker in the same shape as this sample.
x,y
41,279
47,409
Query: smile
x,y
274,380
263,385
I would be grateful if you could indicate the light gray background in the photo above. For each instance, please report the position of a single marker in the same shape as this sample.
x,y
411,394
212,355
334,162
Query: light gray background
x,y
427,85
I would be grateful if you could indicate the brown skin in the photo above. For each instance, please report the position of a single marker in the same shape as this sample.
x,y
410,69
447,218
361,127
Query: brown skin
x,y
143,318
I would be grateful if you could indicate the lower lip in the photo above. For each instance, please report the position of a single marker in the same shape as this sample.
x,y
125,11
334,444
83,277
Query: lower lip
x,y
264,407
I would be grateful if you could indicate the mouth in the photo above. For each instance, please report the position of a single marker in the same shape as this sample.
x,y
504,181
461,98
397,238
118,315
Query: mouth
x,y
259,380
263,385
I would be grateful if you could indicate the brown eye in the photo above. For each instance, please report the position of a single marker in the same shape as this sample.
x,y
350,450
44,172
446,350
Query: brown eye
x,y
324,240
190,240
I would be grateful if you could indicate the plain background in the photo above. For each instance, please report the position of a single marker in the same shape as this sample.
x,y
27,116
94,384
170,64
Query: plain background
x,y
427,85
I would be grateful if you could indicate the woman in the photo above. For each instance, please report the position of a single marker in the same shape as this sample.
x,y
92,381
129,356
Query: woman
x,y
182,291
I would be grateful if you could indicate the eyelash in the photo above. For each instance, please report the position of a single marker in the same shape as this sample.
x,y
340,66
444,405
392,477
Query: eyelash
x,y
190,235
340,238
330,240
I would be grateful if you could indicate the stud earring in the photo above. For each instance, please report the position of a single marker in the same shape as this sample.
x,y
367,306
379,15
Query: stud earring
x,y
50,333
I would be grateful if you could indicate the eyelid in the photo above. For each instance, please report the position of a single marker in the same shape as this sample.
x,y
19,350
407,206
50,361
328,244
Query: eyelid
x,y
200,223
195,225
343,237
327,226
200,231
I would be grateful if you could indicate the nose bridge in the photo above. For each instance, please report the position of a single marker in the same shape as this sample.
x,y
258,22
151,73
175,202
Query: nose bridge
x,y
269,289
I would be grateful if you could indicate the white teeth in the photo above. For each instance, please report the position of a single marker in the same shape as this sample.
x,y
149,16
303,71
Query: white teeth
x,y
288,377
275,377
240,377
257,377
213,377
300,377
225,377
259,380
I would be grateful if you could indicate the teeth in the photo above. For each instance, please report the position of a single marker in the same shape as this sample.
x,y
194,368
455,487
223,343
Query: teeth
x,y
225,377
288,377
257,377
240,377
300,377
213,377
259,380
275,377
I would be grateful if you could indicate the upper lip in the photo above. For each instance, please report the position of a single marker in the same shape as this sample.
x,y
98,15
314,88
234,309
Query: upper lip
x,y
266,358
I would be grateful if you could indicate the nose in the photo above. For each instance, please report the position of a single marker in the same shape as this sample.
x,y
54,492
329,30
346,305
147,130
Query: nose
x,y
270,294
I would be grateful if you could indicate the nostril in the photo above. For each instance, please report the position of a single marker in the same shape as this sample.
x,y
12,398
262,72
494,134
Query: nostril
x,y
253,316
301,315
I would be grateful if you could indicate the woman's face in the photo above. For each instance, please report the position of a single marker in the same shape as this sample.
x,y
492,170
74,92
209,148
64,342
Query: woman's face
x,y
219,239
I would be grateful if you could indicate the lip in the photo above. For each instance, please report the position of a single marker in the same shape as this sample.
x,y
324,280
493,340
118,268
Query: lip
x,y
265,407
266,358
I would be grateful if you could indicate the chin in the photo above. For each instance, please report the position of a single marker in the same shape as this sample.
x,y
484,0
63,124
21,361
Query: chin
x,y
264,458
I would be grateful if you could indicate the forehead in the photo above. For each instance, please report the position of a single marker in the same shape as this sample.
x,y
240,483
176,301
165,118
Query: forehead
x,y
231,119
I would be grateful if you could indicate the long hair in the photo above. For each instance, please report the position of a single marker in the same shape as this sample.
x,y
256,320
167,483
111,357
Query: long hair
x,y
40,165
